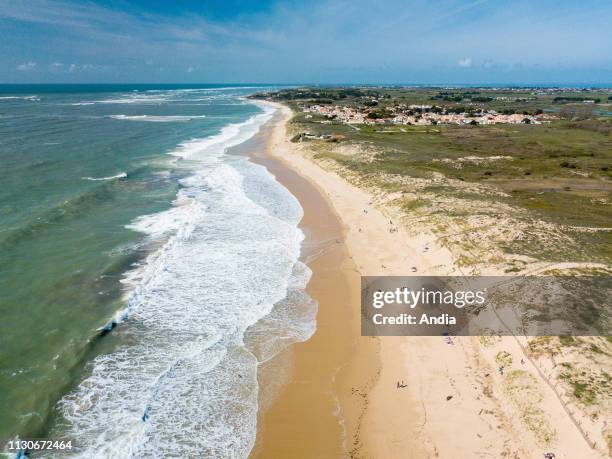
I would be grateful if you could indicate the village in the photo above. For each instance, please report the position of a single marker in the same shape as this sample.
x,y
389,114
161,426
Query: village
x,y
422,115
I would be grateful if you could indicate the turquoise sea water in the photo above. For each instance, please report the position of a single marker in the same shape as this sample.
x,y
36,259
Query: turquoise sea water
x,y
121,205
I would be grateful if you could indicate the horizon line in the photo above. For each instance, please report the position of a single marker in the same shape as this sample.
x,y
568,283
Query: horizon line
x,y
384,84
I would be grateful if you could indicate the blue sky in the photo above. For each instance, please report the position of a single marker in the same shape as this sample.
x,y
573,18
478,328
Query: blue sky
x,y
317,41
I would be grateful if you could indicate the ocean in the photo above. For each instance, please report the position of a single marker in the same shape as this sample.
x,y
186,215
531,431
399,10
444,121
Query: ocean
x,y
146,270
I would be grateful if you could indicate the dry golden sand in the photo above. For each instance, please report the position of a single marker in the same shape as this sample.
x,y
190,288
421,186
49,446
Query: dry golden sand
x,y
340,396
323,397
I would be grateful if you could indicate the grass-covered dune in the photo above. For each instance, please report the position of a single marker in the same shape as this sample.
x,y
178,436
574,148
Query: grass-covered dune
x,y
553,178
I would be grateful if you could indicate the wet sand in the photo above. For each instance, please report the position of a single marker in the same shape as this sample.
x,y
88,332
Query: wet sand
x,y
313,394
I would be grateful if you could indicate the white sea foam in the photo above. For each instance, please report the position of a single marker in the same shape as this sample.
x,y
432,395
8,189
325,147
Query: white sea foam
x,y
129,99
112,177
33,98
230,135
223,293
157,119
157,96
191,90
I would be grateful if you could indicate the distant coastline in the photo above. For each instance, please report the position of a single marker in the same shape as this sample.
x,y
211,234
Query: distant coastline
x,y
20,88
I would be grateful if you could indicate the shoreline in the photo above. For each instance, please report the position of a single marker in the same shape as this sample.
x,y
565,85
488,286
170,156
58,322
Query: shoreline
x,y
316,410
366,407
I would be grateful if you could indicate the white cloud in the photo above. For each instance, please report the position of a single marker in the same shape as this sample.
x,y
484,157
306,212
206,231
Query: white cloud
x,y
26,66
465,62
336,40
60,67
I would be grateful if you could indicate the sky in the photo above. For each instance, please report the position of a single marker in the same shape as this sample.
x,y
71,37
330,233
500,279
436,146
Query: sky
x,y
306,42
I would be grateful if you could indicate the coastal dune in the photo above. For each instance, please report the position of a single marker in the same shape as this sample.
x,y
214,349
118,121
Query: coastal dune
x,y
345,395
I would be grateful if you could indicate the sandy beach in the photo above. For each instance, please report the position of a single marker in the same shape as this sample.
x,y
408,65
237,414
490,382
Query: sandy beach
x,y
340,395
300,414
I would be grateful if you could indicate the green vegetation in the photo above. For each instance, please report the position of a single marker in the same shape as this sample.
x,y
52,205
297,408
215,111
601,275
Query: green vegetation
x,y
488,341
588,387
513,100
522,389
569,341
503,359
561,173
558,173
583,364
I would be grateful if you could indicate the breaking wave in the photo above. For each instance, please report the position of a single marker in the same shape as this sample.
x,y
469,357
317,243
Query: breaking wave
x,y
32,98
112,177
224,292
157,119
